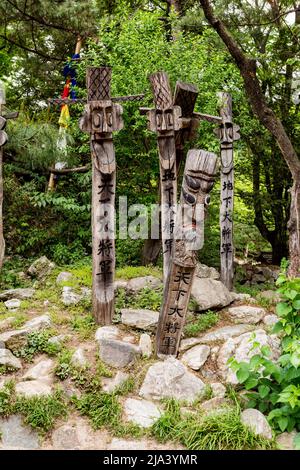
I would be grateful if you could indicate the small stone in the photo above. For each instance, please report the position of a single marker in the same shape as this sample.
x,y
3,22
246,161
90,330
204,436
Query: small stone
x,y
41,268
141,319
6,323
20,293
240,296
257,422
214,352
141,412
9,360
37,323
270,320
188,343
138,283
32,388
218,390
285,440
12,304
41,370
69,297
15,434
107,332
171,379
196,356
225,332
58,340
78,358
64,276
215,405
109,385
145,345
271,295
118,353
209,293
246,314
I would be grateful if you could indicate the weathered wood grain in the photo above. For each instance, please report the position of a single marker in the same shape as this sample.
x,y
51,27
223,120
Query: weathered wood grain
x,y
101,118
227,134
198,180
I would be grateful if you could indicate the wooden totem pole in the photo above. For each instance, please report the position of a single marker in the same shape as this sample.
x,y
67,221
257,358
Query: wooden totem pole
x,y
198,180
102,117
3,140
227,133
165,120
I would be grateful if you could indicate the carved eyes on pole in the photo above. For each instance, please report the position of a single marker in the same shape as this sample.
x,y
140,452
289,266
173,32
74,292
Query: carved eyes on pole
x,y
192,182
189,198
164,120
102,117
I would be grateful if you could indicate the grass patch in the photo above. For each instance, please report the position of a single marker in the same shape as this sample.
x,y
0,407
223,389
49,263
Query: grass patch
x,y
146,298
201,323
37,343
207,432
104,409
41,412
84,325
130,272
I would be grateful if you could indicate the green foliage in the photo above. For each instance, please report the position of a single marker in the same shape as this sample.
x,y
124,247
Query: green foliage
x,y
202,322
84,325
41,412
130,272
37,343
206,432
146,298
103,409
274,388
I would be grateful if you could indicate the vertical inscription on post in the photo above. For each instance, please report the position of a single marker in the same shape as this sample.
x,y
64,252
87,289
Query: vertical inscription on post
x,y
198,180
165,120
227,133
101,118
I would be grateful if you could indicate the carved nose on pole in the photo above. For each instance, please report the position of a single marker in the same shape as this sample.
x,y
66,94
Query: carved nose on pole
x,y
163,122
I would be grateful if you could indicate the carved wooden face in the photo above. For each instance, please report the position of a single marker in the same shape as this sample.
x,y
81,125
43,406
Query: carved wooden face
x,y
102,117
165,121
226,129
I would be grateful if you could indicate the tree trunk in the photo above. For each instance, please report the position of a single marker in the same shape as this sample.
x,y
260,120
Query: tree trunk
x,y
270,121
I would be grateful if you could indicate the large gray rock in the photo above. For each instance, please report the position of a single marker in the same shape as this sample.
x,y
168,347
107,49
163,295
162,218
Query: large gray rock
x,y
171,379
257,422
242,348
141,412
138,283
9,360
117,353
225,332
12,337
204,271
19,293
32,388
41,268
12,304
209,293
41,370
246,314
188,343
196,356
15,434
141,319
69,297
